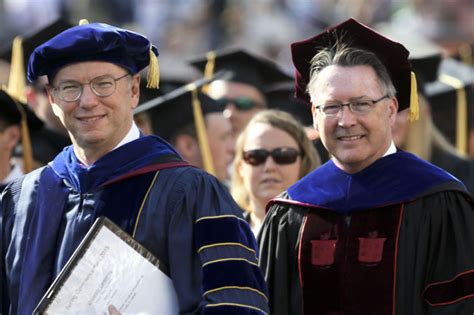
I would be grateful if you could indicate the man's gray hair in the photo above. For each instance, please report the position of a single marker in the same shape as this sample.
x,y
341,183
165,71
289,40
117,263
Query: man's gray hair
x,y
343,55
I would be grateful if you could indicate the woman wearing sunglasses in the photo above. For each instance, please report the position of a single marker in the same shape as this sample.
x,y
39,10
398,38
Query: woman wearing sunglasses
x,y
271,153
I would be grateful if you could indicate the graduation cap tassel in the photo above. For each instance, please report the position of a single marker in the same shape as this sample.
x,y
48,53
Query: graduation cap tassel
x,y
414,107
26,145
209,69
153,78
461,111
201,134
17,79
16,90
465,52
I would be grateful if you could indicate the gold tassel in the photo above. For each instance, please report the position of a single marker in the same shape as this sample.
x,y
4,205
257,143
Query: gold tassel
x,y
153,77
208,164
16,90
17,79
83,21
465,53
461,111
209,69
26,145
25,139
414,108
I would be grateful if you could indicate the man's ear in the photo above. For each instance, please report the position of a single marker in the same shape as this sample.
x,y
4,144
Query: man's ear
x,y
314,112
135,90
188,147
49,92
393,110
12,134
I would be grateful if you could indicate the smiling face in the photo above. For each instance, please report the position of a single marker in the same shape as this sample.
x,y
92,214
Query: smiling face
x,y
96,124
265,181
355,141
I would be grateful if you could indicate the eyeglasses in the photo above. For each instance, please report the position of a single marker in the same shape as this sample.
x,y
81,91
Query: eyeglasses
x,y
279,155
71,91
361,107
241,102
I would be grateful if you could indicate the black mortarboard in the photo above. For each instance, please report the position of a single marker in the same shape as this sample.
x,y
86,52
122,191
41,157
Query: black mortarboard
x,y
182,107
452,100
95,42
392,54
33,40
10,112
281,96
167,84
169,117
246,67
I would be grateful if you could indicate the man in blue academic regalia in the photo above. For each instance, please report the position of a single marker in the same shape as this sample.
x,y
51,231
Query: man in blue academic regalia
x,y
180,213
375,230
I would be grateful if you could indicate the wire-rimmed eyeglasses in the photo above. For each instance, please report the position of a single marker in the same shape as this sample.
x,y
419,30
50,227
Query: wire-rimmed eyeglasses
x,y
102,86
360,107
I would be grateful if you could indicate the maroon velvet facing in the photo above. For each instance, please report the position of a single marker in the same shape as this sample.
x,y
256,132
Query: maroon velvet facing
x,y
349,271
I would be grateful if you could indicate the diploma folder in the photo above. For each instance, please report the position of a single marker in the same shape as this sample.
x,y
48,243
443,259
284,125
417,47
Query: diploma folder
x,y
110,268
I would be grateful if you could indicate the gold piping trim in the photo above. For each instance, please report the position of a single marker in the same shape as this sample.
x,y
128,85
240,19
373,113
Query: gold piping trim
x,y
237,304
143,203
225,244
228,259
219,217
237,288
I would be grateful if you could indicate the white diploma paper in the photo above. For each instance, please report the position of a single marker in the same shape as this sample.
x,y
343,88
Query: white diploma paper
x,y
112,272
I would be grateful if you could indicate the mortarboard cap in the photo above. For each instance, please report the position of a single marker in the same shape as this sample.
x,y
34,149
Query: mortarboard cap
x,y
175,113
246,67
33,40
95,42
167,84
451,98
392,54
281,96
183,106
10,112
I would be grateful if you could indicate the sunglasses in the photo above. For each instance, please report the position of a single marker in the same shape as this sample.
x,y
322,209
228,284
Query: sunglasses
x,y
279,155
241,102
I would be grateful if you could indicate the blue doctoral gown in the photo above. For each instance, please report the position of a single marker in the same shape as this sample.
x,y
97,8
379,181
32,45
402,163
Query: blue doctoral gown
x,y
180,213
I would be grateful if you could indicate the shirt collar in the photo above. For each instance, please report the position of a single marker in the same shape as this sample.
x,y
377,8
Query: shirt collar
x,y
133,134
391,150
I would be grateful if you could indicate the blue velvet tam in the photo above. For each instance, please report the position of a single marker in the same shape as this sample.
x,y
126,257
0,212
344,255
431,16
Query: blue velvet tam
x,y
91,42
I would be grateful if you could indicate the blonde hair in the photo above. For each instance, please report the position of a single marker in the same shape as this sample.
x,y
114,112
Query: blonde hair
x,y
283,121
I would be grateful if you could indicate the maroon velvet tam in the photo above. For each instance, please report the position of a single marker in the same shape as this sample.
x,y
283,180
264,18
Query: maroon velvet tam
x,y
392,54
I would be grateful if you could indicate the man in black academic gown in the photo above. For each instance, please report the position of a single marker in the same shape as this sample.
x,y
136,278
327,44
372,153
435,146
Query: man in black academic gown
x,y
375,230
183,215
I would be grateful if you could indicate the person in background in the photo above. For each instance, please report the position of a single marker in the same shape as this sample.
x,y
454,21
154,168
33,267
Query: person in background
x,y
281,96
11,133
242,95
375,230
174,120
423,137
184,216
272,153
53,137
425,140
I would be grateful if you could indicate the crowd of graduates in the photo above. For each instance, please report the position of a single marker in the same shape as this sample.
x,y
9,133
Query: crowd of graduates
x,y
233,113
